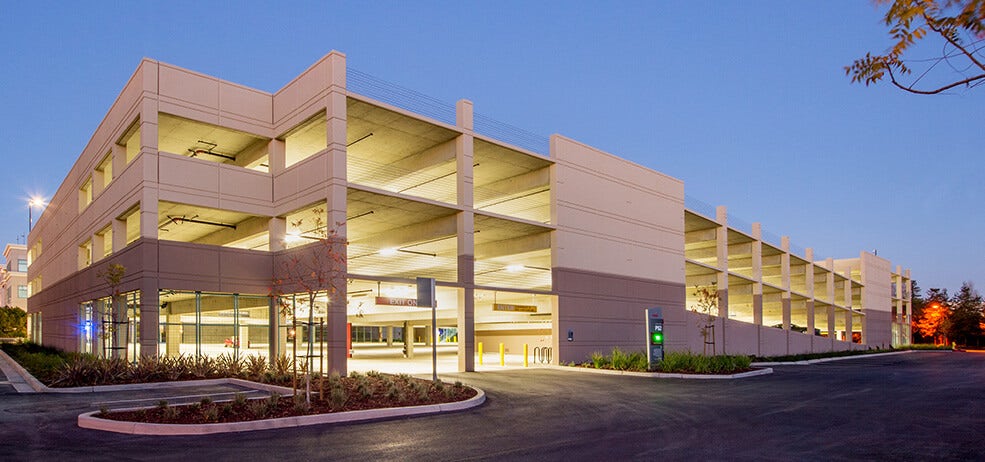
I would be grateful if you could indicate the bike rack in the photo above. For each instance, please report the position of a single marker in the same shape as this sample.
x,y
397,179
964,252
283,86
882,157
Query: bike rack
x,y
543,355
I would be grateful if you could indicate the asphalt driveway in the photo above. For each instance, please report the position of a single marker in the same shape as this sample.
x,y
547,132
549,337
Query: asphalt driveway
x,y
918,406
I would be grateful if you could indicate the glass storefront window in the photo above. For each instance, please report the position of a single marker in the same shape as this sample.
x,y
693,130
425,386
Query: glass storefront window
x,y
213,324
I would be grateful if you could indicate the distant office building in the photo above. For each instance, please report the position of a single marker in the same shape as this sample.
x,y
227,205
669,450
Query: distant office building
x,y
13,276
213,196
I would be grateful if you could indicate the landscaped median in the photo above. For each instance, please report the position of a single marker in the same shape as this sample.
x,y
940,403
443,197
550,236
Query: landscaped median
x,y
816,358
675,365
315,399
94,420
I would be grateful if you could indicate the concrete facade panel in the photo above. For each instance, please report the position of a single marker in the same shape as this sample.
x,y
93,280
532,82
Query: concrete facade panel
x,y
189,266
879,330
194,176
245,190
606,233
773,342
189,89
607,310
741,338
245,104
800,343
299,99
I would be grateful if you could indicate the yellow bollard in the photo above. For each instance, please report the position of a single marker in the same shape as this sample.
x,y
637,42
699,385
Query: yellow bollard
x,y
502,355
525,347
480,353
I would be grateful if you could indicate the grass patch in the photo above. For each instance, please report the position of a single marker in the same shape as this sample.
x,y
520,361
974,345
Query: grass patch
x,y
685,362
41,361
838,354
675,362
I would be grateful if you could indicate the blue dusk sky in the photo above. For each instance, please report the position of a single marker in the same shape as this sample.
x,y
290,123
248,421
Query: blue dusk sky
x,y
746,102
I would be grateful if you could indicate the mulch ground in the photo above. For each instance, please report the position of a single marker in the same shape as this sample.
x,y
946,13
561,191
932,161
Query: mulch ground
x,y
342,394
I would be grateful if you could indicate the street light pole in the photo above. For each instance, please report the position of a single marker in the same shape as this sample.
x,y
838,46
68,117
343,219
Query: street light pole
x,y
31,203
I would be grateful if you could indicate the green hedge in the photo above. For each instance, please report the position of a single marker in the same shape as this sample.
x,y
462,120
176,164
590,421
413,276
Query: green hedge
x,y
41,361
837,354
675,362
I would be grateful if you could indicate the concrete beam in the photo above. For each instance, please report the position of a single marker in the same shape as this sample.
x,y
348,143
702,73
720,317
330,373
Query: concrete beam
x,y
518,245
437,228
430,157
702,235
513,186
244,229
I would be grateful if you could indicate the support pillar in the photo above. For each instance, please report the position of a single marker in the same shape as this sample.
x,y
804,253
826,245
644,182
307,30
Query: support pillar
x,y
848,305
335,211
721,248
757,274
150,317
785,281
409,339
465,221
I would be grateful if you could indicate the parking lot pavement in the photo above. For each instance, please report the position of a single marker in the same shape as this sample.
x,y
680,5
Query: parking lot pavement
x,y
920,406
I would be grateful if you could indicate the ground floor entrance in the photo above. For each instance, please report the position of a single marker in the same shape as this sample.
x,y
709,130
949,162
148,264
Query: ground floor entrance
x,y
385,330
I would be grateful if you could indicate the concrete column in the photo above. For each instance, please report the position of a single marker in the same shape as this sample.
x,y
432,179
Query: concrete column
x,y
809,287
150,311
335,194
721,248
409,339
465,223
909,308
277,230
830,289
98,178
148,131
848,304
119,234
276,156
119,159
148,213
389,336
785,280
757,274
98,243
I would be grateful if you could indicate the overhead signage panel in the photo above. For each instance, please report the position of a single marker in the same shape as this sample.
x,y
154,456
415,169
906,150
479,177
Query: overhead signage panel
x,y
515,308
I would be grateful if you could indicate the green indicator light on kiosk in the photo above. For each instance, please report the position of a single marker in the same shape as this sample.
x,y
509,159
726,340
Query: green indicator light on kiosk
x,y
657,338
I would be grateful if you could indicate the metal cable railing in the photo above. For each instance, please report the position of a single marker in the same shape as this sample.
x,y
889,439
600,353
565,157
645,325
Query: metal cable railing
x,y
367,85
404,98
513,135
697,205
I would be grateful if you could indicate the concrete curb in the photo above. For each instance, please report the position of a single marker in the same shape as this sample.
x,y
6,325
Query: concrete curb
x,y
20,378
24,382
176,384
664,375
836,358
88,420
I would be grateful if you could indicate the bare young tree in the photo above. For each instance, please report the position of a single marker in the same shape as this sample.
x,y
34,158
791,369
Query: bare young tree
x,y
315,269
707,305
113,275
